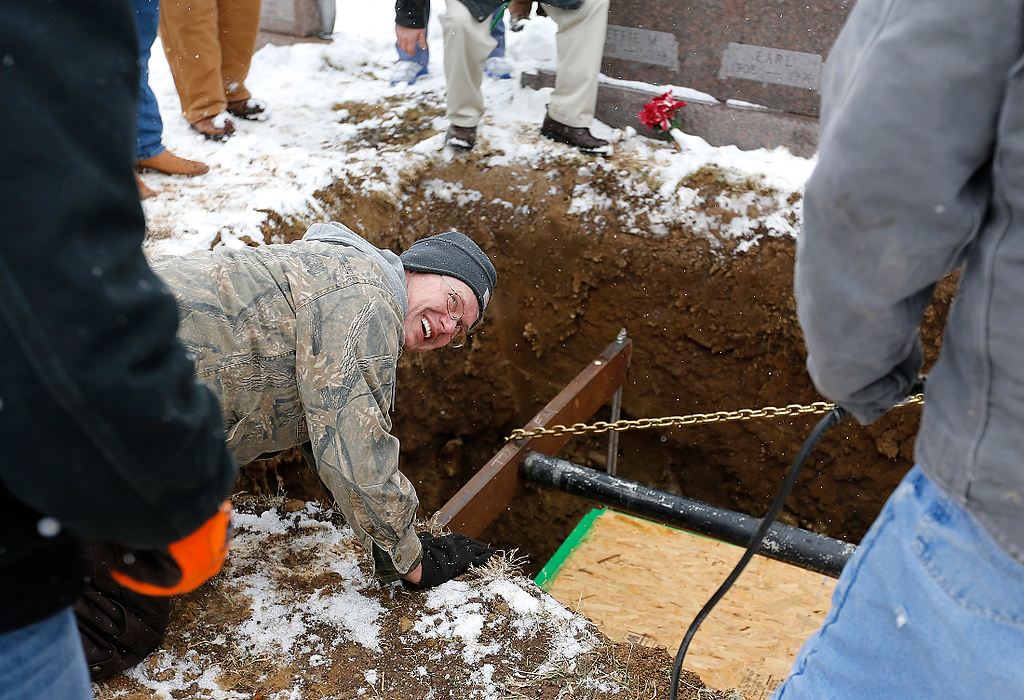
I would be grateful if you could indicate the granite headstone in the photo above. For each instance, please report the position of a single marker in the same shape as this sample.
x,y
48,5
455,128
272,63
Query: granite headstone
x,y
761,52
759,63
299,18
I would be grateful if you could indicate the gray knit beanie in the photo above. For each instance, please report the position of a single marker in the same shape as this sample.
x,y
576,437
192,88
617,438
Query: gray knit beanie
x,y
456,255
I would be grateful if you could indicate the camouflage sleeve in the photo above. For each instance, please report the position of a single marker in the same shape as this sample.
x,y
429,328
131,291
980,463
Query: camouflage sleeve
x,y
348,343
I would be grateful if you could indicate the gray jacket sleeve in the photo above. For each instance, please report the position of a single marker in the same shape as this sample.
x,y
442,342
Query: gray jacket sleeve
x,y
910,108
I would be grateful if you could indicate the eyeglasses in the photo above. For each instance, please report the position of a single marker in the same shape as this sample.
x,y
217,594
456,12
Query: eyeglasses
x,y
456,310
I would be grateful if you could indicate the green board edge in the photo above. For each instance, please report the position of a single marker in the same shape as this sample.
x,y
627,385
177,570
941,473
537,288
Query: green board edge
x,y
550,569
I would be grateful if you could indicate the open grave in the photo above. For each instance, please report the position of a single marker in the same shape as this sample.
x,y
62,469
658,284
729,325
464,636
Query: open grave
x,y
709,314
712,323
690,252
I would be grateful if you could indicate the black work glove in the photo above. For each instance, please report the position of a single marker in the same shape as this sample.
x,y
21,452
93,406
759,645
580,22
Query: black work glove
x,y
448,556
118,626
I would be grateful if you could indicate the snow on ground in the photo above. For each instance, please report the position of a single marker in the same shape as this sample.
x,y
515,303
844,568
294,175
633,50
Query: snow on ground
x,y
309,142
296,602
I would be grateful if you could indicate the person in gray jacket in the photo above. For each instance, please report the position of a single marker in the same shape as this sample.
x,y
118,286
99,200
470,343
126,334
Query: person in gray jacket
x,y
921,173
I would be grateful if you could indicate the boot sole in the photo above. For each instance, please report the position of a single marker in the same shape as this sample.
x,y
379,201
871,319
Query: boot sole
x,y
599,151
140,168
144,169
213,137
260,116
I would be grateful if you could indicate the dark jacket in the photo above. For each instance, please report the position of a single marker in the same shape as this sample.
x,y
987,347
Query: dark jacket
x,y
919,173
105,433
413,13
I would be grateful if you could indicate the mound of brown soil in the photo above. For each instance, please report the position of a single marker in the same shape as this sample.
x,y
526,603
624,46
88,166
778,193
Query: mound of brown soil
x,y
296,614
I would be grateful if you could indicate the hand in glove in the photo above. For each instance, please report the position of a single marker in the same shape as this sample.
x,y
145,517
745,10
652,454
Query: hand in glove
x,y
448,556
180,567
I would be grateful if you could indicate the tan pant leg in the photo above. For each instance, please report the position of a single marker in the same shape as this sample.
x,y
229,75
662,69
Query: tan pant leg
x,y
188,31
580,42
466,46
239,26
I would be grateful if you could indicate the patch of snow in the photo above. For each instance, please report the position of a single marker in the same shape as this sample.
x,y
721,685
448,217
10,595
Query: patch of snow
x,y
312,140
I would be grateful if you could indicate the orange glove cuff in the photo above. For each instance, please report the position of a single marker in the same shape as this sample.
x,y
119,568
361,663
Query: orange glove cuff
x,y
199,557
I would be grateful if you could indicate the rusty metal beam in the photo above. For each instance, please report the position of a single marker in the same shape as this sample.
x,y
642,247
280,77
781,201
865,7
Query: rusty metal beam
x,y
487,494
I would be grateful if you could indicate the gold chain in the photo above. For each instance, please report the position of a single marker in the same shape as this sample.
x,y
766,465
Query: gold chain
x,y
793,409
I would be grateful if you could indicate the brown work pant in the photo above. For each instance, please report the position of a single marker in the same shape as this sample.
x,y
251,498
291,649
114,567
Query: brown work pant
x,y
209,46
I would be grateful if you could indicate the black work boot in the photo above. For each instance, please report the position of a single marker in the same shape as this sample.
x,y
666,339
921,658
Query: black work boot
x,y
579,137
461,137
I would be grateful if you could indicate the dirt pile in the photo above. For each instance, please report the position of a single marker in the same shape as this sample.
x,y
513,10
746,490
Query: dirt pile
x,y
297,614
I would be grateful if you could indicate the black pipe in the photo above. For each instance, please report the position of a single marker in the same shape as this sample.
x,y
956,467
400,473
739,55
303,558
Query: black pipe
x,y
792,545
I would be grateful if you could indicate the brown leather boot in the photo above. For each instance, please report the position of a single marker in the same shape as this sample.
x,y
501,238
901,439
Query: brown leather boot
x,y
167,162
579,137
215,128
144,192
461,137
519,13
251,109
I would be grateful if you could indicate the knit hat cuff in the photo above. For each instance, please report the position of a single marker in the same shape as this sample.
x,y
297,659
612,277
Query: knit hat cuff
x,y
455,255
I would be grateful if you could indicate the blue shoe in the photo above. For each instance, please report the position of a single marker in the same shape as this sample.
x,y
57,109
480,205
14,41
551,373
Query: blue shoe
x,y
407,72
497,68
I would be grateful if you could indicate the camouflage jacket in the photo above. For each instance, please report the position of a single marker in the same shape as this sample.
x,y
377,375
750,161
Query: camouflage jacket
x,y
300,342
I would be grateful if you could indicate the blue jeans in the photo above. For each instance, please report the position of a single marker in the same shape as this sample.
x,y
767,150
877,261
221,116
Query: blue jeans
x,y
149,127
928,607
44,661
422,56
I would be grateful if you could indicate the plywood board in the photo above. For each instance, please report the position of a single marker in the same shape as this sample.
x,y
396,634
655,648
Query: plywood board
x,y
644,582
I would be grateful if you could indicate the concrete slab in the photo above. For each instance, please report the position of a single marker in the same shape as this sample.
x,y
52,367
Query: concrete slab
x,y
275,39
760,61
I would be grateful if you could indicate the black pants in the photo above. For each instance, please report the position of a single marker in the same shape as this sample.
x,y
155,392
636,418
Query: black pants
x,y
119,627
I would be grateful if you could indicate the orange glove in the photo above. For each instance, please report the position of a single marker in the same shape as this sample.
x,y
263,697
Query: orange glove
x,y
182,566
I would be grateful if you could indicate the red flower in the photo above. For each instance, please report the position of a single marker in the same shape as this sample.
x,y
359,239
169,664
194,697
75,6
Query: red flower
x,y
660,113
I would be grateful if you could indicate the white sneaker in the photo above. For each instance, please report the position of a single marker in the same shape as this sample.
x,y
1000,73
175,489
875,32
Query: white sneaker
x,y
496,67
407,72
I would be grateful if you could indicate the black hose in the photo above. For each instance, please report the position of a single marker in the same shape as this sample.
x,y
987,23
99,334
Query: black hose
x,y
792,545
836,415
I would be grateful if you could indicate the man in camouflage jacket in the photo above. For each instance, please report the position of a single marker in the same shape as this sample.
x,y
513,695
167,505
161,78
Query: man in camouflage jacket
x,y
300,342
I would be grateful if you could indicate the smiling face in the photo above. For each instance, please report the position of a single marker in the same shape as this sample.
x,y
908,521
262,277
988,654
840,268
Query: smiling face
x,y
428,325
